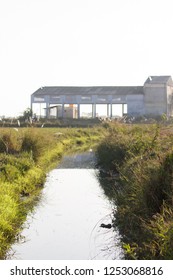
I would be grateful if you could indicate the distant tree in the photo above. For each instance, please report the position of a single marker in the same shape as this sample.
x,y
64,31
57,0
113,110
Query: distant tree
x,y
27,113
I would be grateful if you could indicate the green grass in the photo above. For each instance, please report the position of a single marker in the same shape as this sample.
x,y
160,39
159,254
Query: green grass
x,y
26,156
142,156
138,160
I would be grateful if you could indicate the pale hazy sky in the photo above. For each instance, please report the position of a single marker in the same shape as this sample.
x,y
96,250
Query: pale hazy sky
x,y
80,42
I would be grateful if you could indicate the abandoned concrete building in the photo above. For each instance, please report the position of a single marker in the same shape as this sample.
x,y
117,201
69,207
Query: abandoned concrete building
x,y
154,98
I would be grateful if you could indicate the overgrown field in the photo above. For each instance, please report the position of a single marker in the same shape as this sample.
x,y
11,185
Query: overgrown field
x,y
139,158
26,154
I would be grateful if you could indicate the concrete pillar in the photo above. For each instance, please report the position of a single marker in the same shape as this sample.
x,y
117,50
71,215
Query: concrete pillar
x,y
111,111
93,110
122,109
47,110
78,111
62,112
107,110
57,112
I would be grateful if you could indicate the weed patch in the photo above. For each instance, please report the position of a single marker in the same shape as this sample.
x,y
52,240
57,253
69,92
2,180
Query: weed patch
x,y
142,157
26,154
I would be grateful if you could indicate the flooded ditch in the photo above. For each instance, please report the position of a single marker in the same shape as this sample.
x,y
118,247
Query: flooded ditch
x,y
66,223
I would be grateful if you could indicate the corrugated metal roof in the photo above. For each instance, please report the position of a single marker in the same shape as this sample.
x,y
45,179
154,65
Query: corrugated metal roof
x,y
106,90
102,90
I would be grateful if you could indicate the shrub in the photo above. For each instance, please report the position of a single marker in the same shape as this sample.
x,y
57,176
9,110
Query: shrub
x,y
6,143
111,152
143,158
33,144
9,173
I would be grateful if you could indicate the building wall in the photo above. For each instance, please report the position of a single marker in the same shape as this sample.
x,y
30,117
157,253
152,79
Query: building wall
x,y
170,100
70,113
155,99
135,105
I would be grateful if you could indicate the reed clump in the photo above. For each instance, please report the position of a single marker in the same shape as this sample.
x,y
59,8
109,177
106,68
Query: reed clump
x,y
142,156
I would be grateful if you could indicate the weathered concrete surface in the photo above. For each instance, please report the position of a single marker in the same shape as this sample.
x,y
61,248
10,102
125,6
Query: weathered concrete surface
x,y
154,98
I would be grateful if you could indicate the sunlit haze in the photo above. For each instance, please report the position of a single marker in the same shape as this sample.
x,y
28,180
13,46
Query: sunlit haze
x,y
80,43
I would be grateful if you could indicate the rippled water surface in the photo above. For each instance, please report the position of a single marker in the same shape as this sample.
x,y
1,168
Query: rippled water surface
x,y
66,222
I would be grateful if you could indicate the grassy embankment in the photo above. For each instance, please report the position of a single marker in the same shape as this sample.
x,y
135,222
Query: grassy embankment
x,y
142,156
25,156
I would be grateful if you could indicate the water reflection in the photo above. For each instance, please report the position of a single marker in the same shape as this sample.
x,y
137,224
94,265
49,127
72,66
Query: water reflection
x,y
85,160
66,223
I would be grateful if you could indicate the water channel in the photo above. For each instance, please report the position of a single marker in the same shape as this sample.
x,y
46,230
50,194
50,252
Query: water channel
x,y
66,222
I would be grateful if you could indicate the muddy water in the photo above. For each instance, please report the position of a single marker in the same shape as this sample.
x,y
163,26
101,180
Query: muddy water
x,y
66,222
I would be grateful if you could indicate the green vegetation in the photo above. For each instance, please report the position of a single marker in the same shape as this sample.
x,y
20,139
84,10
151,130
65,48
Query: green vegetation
x,y
26,154
139,159
136,158
27,121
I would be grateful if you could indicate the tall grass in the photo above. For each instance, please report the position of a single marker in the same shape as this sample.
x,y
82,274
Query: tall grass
x,y
26,154
142,156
